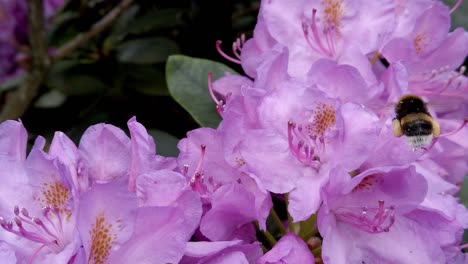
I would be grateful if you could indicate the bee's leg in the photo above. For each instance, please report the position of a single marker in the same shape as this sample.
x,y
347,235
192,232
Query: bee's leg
x,y
435,128
397,128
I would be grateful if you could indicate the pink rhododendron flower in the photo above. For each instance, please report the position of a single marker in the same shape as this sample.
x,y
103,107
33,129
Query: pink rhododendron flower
x,y
311,128
39,204
202,159
119,231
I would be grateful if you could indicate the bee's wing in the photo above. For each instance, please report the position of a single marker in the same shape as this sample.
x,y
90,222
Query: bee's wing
x,y
381,109
444,105
387,110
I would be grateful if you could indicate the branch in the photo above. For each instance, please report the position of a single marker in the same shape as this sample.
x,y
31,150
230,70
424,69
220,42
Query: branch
x,y
97,28
17,102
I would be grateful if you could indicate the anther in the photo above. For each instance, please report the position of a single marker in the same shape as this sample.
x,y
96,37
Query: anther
x,y
16,210
227,57
24,212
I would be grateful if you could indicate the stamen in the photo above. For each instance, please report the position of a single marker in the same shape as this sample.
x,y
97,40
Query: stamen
x,y
384,218
456,6
26,234
227,57
220,108
38,222
202,158
200,182
210,88
214,184
36,252
219,103
237,46
328,37
306,35
196,182
452,78
302,151
33,228
432,74
315,34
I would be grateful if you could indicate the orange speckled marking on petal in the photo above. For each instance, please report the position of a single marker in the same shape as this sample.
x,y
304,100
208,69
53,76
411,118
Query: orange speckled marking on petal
x,y
368,183
333,11
102,239
420,42
323,119
56,195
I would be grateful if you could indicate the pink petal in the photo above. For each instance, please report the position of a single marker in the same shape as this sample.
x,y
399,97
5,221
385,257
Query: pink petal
x,y
13,140
106,150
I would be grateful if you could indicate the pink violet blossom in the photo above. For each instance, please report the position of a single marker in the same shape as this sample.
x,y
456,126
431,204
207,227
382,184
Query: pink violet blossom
x,y
313,123
328,29
208,173
372,209
40,222
301,139
119,231
204,172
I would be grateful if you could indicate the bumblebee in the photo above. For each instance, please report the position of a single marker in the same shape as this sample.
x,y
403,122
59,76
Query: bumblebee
x,y
414,121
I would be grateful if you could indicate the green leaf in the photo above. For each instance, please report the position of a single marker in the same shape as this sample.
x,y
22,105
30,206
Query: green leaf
x,y
125,20
120,28
146,80
307,228
72,78
61,29
166,144
188,85
146,50
51,99
12,83
80,84
156,20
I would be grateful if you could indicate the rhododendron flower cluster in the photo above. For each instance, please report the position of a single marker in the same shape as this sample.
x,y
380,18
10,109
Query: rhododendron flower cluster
x,y
309,126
